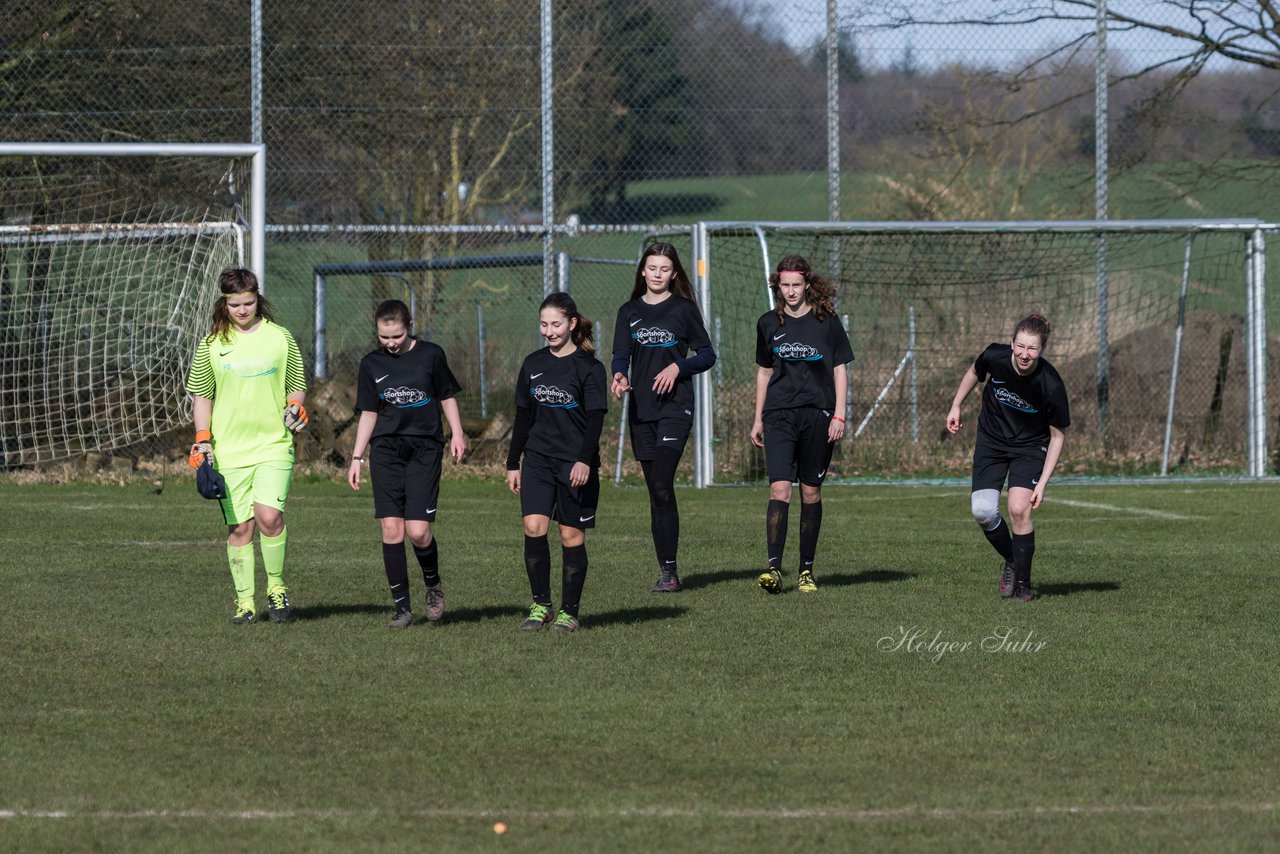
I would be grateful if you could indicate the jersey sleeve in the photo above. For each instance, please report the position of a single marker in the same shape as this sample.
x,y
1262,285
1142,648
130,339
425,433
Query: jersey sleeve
x,y
523,397
981,365
764,357
295,379
621,342
366,389
595,388
1060,416
698,341
446,384
200,381
841,350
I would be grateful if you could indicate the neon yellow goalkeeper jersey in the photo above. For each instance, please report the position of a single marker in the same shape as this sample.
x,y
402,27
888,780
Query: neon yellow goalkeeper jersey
x,y
247,377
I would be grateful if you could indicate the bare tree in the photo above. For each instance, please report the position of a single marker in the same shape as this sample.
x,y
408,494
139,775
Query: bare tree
x,y
1197,96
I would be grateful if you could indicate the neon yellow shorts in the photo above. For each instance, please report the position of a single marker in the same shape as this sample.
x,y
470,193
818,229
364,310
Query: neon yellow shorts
x,y
265,483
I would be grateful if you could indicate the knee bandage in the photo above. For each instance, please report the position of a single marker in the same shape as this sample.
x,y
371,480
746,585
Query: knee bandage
x,y
985,506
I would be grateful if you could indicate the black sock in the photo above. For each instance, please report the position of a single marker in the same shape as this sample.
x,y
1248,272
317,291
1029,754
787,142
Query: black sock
x,y
1024,548
664,514
775,531
396,563
429,560
537,563
1000,539
574,576
810,527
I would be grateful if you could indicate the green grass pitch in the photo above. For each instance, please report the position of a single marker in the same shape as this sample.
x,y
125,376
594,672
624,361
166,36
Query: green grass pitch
x,y
1133,705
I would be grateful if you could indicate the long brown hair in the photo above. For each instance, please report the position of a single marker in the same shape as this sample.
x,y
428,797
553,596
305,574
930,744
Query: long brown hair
x,y
819,294
581,335
236,280
680,284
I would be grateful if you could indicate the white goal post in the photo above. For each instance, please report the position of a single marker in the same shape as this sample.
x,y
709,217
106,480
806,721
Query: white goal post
x,y
108,274
256,152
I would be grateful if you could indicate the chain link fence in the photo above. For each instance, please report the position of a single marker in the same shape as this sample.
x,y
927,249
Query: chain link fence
x,y
388,125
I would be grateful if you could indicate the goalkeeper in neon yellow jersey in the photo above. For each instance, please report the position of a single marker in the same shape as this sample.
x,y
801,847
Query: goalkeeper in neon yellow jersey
x,y
248,392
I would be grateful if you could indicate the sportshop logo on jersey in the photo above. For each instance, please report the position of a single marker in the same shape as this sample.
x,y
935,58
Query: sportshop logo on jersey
x,y
654,337
1004,397
796,352
405,398
549,395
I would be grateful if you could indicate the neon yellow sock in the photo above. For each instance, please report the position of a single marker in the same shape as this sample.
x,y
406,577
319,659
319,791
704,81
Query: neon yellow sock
x,y
240,558
273,549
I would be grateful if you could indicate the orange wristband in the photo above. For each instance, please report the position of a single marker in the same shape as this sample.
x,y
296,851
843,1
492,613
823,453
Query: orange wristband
x,y
203,435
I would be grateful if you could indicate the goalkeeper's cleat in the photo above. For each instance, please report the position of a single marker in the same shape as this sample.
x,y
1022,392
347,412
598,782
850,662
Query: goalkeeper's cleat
x,y
295,416
770,582
1023,592
244,614
1006,580
807,584
435,602
539,616
402,620
278,604
565,622
668,582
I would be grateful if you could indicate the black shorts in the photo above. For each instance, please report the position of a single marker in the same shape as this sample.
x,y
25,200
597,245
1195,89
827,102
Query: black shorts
x,y
669,433
796,446
545,491
993,462
406,477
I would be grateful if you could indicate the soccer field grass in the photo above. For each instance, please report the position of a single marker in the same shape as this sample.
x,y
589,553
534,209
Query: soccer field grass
x,y
1133,705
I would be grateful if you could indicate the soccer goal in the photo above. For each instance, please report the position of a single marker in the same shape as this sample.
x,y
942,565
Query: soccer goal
x,y
1159,332
109,259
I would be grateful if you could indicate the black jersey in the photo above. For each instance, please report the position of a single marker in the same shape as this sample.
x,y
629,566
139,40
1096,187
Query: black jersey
x,y
1017,411
405,390
653,337
560,392
803,353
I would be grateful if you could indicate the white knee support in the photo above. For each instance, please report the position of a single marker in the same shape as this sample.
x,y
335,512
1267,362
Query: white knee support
x,y
985,506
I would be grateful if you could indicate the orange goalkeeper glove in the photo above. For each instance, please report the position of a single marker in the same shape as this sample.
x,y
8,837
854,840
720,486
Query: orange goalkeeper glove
x,y
202,449
295,416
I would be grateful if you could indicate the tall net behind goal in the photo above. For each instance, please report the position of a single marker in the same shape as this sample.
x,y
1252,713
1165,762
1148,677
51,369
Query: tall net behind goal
x,y
108,272
920,305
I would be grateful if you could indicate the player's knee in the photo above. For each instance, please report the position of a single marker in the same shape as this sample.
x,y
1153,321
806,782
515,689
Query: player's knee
x,y
984,504
780,490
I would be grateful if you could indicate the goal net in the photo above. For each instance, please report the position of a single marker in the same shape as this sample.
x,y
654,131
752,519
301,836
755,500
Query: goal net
x,y
108,272
1171,319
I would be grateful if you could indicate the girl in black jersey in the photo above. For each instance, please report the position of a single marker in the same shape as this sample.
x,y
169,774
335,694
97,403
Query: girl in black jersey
x,y
1020,435
561,399
801,351
403,388
655,331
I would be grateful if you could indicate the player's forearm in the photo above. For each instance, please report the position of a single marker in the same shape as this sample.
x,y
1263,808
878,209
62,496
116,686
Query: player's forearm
x,y
762,387
841,377
201,413
967,384
299,397
449,406
364,429
1057,439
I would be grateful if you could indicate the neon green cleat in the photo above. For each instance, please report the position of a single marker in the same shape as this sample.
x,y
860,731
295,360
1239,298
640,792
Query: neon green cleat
x,y
539,616
807,584
770,582
565,623
244,614
278,604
